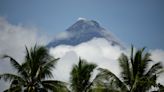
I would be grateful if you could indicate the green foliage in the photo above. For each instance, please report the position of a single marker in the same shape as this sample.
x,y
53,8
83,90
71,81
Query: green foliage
x,y
81,76
32,73
135,74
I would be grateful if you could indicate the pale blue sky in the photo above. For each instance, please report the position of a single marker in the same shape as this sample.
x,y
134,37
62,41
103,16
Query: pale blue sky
x,y
140,22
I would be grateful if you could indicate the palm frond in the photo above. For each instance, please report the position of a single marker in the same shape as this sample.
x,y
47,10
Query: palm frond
x,y
125,67
47,68
145,62
10,77
108,75
54,85
51,63
43,73
17,66
13,89
136,62
155,69
13,62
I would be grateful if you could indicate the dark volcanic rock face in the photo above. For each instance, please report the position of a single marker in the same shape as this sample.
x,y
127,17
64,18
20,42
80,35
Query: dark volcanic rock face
x,y
82,31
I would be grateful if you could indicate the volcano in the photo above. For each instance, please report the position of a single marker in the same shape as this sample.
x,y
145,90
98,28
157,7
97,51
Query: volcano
x,y
82,31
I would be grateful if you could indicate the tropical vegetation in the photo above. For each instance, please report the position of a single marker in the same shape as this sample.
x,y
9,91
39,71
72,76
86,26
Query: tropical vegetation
x,y
136,76
81,76
34,74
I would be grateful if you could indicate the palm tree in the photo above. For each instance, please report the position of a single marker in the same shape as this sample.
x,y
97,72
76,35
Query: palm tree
x,y
135,74
81,76
32,73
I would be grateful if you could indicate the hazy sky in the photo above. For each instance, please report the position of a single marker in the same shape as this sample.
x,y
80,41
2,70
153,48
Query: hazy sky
x,y
140,22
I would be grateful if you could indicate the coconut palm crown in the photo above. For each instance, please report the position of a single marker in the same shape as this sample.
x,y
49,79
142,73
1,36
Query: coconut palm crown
x,y
32,73
81,76
136,76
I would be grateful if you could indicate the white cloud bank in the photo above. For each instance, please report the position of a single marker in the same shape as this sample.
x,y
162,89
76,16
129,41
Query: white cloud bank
x,y
97,50
13,39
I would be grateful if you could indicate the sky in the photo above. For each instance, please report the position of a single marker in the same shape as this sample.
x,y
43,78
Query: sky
x,y
138,22
25,23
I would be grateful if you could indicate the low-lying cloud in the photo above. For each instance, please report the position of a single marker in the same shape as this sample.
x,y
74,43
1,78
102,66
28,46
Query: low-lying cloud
x,y
97,50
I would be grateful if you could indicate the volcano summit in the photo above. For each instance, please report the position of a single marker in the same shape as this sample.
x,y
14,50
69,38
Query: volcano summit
x,y
82,31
